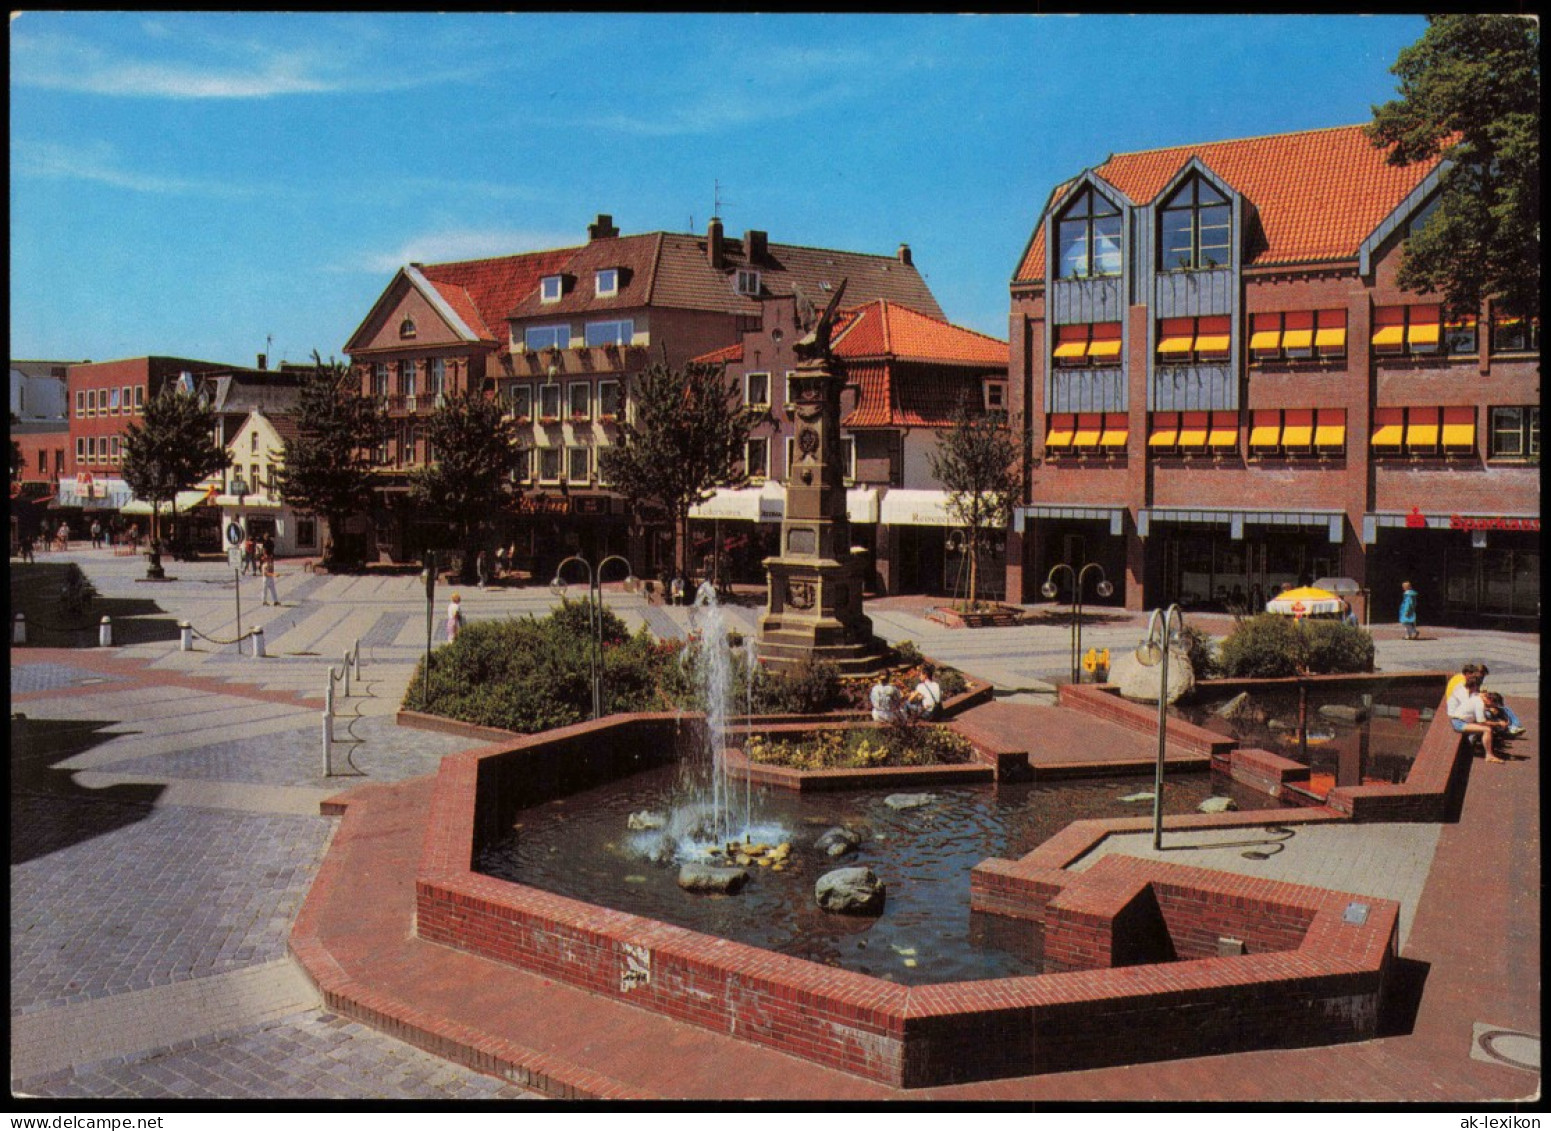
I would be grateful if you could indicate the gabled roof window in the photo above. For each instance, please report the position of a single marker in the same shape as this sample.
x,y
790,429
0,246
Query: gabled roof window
x,y
551,288
747,282
1088,238
1197,228
606,282
407,328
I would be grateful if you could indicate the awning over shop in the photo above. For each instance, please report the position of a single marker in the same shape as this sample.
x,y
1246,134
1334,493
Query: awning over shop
x,y
99,493
902,507
1115,516
766,503
186,501
1333,521
861,504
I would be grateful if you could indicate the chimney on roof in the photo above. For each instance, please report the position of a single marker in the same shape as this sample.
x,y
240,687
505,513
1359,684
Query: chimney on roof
x,y
263,361
904,254
602,228
754,244
713,242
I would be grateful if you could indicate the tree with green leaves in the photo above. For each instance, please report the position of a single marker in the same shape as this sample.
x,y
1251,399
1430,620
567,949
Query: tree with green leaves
x,y
327,467
686,440
976,461
169,450
475,452
1470,91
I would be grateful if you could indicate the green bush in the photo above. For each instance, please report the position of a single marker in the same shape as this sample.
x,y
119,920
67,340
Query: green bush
x,y
531,675
907,654
1269,646
807,688
1200,651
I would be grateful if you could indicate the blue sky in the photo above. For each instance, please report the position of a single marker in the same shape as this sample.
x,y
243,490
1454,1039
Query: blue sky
x,y
195,184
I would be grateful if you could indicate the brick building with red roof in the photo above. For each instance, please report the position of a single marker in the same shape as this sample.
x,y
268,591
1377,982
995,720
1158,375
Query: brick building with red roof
x,y
1224,389
905,371
556,335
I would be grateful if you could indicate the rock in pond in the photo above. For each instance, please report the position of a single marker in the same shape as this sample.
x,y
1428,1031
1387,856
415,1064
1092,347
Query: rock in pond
x,y
909,800
1341,713
1234,707
711,878
850,891
646,820
1145,795
1216,805
837,841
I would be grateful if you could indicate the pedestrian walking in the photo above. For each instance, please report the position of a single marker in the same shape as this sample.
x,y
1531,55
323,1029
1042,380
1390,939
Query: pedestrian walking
x,y
62,537
26,547
454,618
1408,599
249,550
96,534
268,566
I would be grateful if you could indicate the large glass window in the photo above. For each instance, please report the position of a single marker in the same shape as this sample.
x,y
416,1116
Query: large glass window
x,y
756,457
549,402
1088,238
547,337
1514,335
406,378
1197,229
610,405
616,333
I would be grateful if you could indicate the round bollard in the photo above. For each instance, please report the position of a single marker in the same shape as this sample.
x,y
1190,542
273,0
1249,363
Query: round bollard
x,y
105,633
185,636
258,642
19,629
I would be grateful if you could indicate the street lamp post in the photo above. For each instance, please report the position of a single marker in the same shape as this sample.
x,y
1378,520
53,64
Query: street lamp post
x,y
1154,649
1049,590
240,489
595,610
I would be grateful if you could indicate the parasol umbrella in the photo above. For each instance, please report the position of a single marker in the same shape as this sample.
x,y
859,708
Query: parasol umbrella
x,y
1305,602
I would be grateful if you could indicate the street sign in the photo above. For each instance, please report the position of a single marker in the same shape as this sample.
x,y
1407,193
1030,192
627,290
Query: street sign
x,y
234,556
233,534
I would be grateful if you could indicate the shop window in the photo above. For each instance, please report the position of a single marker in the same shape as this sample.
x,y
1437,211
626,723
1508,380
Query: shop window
x,y
756,457
1515,432
579,400
536,338
519,401
578,465
1088,238
1182,341
1196,226
756,390
1407,331
549,464
1515,335
610,401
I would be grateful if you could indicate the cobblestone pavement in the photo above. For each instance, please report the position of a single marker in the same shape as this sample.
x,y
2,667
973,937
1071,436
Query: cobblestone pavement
x,y
165,822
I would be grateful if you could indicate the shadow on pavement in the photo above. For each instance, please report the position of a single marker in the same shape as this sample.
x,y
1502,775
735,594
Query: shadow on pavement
x,y
1402,997
37,746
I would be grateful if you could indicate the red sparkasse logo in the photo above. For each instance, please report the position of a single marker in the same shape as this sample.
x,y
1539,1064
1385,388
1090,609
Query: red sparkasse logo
x,y
1492,522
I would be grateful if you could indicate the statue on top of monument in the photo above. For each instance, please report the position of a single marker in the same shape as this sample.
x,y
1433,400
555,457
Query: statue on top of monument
x,y
814,346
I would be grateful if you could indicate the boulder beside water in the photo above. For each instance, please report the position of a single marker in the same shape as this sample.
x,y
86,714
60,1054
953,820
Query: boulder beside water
x,y
1217,805
837,841
909,800
850,891
711,878
646,819
1140,683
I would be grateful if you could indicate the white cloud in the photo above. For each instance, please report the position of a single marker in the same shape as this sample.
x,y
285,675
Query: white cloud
x,y
98,162
454,245
209,67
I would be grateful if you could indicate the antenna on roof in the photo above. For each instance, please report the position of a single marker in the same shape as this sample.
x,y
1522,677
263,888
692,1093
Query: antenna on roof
x,y
716,198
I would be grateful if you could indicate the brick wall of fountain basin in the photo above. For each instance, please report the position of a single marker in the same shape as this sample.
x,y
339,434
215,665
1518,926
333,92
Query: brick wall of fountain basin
x,y
1135,941
1431,791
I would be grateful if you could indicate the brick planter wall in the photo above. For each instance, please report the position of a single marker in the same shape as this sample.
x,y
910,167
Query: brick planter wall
x,y
1319,986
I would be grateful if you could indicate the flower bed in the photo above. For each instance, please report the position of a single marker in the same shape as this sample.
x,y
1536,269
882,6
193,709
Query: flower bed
x,y
861,748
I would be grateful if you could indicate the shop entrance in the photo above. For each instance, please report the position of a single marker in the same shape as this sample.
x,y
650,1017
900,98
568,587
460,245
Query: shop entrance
x,y
1207,569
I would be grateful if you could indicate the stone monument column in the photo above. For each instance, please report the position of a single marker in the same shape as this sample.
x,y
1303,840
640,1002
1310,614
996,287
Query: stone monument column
x,y
814,607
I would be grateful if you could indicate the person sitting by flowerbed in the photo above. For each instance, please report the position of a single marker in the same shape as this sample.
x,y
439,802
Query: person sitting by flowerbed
x,y
926,700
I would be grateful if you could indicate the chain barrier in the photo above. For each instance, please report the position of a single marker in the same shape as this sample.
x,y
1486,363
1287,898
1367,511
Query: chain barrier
x,y
217,640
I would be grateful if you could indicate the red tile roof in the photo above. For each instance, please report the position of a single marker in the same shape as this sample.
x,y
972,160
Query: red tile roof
x,y
1318,193
911,369
728,354
481,291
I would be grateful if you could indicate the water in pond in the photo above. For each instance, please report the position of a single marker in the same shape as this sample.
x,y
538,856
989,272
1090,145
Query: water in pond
x,y
1355,736
580,846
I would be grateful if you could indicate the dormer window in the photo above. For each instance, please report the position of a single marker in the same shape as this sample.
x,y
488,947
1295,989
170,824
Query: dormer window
x,y
551,288
1197,229
606,282
1088,238
407,328
748,282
